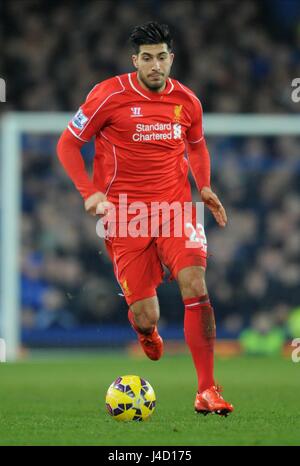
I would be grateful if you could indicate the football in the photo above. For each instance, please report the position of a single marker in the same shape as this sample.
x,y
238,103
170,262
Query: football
x,y
130,398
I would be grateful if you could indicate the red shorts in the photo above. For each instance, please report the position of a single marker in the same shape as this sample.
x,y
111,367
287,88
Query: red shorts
x,y
138,262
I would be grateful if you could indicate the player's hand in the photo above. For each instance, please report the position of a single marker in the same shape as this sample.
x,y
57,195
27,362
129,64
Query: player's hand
x,y
91,204
212,201
103,208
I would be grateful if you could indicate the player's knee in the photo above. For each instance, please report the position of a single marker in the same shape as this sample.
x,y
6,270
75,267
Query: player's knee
x,y
197,287
194,285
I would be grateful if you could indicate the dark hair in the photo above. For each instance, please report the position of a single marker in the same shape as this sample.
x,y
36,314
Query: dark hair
x,y
150,33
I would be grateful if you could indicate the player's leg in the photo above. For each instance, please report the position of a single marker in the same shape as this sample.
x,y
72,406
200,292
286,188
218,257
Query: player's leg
x,y
143,316
199,323
139,271
200,335
187,265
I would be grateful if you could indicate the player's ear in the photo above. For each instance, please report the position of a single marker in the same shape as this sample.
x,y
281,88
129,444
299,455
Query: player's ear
x,y
134,60
172,55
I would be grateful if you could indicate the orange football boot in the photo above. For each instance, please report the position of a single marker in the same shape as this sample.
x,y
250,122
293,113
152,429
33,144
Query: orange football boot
x,y
211,401
152,343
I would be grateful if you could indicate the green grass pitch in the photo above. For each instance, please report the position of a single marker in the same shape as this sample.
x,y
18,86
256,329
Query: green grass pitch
x,y
60,401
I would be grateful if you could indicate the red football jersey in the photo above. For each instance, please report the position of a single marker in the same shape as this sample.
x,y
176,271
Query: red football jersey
x,y
140,138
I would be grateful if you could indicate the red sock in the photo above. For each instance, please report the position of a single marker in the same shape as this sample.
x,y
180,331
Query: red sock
x,y
200,335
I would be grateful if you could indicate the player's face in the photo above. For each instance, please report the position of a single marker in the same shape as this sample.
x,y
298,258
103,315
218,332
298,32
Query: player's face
x,y
153,64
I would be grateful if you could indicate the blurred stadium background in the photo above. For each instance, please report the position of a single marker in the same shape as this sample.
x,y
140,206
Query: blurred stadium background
x,y
240,58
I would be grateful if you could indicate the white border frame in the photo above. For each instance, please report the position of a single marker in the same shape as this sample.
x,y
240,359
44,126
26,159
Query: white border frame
x,y
12,125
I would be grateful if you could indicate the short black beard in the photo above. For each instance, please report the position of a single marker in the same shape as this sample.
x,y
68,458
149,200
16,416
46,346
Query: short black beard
x,y
154,88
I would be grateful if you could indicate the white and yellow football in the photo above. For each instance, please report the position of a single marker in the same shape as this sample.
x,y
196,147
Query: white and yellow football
x,y
130,398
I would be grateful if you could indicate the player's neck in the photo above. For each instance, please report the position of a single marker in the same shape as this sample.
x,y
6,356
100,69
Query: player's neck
x,y
143,85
